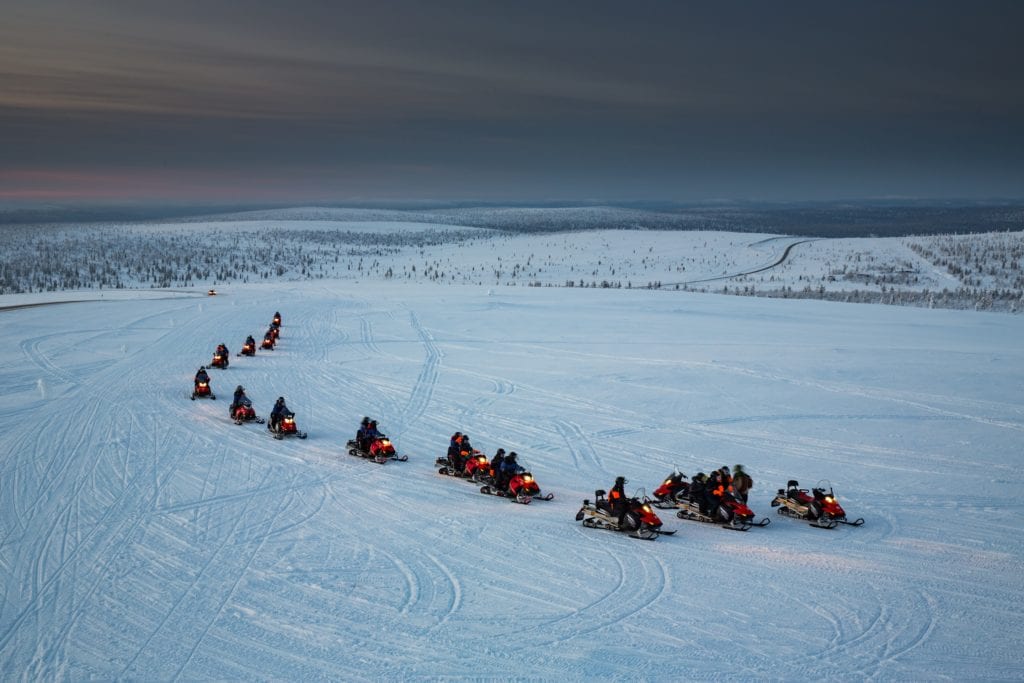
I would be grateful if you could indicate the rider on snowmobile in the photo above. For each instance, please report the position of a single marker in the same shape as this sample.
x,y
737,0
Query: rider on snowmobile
x,y
361,434
496,462
455,449
617,500
509,468
278,412
698,492
201,375
240,399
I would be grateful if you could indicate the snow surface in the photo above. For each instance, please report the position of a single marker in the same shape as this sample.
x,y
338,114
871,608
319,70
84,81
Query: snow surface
x,y
146,537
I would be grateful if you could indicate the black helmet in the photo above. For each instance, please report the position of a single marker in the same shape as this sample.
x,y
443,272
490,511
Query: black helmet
x,y
280,399
620,481
366,420
511,456
239,388
501,451
373,423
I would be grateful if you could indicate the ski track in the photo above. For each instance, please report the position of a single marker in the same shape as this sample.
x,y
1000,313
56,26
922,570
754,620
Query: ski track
x,y
419,397
579,446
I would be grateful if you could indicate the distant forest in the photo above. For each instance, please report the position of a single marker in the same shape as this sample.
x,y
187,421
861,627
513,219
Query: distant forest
x,y
805,220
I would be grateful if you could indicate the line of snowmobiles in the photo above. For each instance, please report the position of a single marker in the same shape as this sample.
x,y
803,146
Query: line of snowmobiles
x,y
521,487
819,507
244,412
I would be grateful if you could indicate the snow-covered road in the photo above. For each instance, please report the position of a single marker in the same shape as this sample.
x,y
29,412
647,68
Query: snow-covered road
x,y
144,536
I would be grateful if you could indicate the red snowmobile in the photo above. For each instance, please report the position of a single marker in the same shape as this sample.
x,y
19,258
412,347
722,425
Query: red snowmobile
x,y
640,520
202,390
445,465
675,487
220,360
819,507
478,467
286,427
380,451
277,319
522,488
248,349
268,342
731,513
245,413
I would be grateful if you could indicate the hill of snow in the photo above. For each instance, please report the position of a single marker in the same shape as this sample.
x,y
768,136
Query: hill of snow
x,y
147,537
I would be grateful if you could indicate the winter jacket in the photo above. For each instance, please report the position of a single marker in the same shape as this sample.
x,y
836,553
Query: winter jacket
x,y
279,410
742,483
201,376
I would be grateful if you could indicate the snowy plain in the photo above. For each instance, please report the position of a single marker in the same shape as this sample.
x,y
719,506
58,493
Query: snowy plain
x,y
146,537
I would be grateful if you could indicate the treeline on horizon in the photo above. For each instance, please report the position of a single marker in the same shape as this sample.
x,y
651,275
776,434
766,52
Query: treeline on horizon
x,y
807,219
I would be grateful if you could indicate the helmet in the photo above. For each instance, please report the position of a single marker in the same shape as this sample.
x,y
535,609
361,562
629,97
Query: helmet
x,y
737,468
501,451
620,481
280,399
239,388
511,456
700,476
373,423
725,469
365,421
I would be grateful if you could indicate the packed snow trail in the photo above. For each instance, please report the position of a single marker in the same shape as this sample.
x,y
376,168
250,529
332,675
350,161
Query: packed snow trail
x,y
146,536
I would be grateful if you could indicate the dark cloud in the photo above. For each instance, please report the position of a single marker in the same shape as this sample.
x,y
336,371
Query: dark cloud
x,y
515,100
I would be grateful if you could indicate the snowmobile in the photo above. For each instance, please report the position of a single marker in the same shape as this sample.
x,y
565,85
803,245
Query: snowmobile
x,y
202,390
268,342
674,488
277,319
818,507
245,413
274,331
248,349
220,360
731,513
286,427
478,468
640,520
522,488
445,465
381,450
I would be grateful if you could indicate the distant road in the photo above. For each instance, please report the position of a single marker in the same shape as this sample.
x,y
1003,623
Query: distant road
x,y
782,259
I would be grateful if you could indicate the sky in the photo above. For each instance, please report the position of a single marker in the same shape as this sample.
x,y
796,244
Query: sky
x,y
333,101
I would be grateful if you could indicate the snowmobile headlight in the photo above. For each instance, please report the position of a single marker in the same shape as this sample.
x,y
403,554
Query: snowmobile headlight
x,y
646,508
829,499
667,482
527,478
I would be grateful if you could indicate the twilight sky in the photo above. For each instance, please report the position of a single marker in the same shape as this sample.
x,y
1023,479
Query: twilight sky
x,y
330,100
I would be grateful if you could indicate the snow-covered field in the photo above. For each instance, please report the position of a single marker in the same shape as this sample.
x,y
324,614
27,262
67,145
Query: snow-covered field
x,y
538,248
146,537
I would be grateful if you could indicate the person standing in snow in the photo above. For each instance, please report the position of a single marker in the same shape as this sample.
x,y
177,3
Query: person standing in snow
x,y
741,482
